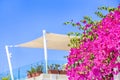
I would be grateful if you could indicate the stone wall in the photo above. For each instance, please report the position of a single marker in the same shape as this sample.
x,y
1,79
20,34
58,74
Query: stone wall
x,y
49,77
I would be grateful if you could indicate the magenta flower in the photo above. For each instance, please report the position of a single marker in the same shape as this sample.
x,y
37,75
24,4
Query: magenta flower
x,y
97,56
78,24
84,21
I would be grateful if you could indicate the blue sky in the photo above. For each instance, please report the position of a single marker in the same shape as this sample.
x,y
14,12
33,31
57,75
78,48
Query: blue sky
x,y
24,20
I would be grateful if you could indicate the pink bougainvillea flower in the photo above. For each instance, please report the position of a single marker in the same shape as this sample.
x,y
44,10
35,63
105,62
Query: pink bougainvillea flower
x,y
97,57
78,24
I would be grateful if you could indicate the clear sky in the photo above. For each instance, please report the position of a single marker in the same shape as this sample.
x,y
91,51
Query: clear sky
x,y
24,20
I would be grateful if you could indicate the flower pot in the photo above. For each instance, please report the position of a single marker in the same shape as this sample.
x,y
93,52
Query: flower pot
x,y
29,75
33,74
53,71
62,72
38,73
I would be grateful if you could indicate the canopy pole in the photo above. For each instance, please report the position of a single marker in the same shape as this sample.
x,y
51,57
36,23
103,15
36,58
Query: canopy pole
x,y
9,62
45,50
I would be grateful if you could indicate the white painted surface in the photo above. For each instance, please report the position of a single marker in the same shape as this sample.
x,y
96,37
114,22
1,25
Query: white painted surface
x,y
49,77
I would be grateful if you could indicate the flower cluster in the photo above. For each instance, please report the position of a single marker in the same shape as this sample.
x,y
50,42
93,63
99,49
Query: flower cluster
x,y
97,57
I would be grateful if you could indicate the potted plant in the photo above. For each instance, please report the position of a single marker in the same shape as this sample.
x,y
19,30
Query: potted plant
x,y
63,71
53,69
29,74
39,69
33,71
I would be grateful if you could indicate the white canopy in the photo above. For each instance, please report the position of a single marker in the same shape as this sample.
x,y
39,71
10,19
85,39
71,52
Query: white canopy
x,y
53,41
47,41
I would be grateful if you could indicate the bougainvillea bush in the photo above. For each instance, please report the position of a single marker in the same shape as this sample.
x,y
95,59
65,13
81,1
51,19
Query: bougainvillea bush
x,y
95,54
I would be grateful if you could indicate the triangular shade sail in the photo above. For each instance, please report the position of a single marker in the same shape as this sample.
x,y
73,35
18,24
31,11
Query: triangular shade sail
x,y
54,41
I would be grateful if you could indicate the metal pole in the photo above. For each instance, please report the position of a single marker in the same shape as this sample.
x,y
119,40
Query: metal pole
x,y
45,49
9,62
